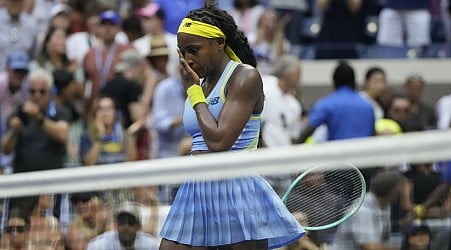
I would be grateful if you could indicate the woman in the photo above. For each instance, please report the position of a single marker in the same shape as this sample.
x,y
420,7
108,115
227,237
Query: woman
x,y
251,215
107,141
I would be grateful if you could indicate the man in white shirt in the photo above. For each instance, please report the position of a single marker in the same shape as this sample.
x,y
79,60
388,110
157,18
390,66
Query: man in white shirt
x,y
127,235
281,115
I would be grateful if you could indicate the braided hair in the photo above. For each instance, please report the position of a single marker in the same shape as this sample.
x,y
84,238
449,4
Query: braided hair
x,y
236,39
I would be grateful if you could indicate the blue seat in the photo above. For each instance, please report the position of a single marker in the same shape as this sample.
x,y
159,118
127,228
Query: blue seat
x,y
383,51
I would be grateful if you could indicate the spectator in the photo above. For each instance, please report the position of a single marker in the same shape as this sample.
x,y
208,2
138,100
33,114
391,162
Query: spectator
x,y
126,86
12,93
79,43
18,31
297,11
176,10
44,227
370,226
17,230
53,55
281,115
268,41
246,14
127,234
400,110
417,236
345,112
414,87
375,82
153,18
90,219
105,128
342,28
405,18
38,131
107,141
158,58
132,28
99,62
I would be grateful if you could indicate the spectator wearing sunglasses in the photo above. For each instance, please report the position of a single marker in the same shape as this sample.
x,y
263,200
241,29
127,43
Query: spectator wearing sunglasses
x,y
89,221
127,235
16,231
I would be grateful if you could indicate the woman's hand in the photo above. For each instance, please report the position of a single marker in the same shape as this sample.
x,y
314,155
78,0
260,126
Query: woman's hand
x,y
100,126
189,77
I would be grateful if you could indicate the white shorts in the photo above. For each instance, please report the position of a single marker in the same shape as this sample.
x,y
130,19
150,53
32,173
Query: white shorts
x,y
415,25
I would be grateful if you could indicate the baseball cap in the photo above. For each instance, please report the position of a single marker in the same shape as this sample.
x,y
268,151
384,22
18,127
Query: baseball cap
x,y
128,58
130,208
110,16
18,60
149,10
58,9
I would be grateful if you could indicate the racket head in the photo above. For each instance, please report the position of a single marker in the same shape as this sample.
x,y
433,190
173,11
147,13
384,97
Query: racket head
x,y
326,202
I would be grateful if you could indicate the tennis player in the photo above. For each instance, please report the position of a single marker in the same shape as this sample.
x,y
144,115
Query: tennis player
x,y
222,113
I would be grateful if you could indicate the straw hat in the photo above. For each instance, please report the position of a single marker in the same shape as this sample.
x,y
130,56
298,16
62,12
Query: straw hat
x,y
158,47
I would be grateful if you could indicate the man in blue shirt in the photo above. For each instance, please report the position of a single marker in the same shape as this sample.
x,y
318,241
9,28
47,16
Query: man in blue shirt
x,y
345,113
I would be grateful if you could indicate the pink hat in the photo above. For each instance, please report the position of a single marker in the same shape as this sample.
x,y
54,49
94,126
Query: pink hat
x,y
149,10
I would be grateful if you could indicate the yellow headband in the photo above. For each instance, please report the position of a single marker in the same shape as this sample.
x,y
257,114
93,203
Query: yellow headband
x,y
205,30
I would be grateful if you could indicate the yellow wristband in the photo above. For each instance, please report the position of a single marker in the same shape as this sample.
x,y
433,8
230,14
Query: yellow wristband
x,y
420,211
196,95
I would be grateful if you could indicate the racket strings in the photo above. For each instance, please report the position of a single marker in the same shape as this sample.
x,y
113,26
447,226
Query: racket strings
x,y
325,197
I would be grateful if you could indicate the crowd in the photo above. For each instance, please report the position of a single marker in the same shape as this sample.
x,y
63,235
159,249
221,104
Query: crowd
x,y
85,83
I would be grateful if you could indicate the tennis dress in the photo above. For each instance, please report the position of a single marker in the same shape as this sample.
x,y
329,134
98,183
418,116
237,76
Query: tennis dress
x,y
222,212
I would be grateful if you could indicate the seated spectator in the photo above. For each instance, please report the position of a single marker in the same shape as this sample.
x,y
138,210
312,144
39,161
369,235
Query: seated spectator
x,y
375,81
414,89
45,228
417,236
90,219
246,14
60,17
127,233
370,226
17,231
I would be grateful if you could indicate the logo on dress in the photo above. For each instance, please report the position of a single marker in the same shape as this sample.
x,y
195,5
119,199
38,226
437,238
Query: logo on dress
x,y
213,101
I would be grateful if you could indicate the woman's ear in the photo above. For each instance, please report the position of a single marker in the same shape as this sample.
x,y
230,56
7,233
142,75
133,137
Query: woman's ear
x,y
220,43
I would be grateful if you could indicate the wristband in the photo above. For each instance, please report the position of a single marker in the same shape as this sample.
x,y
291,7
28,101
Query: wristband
x,y
196,95
420,211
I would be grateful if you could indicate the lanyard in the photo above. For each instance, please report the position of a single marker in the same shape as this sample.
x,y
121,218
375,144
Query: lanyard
x,y
103,68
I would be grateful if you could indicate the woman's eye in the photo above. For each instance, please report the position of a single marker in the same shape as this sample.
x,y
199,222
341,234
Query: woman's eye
x,y
193,50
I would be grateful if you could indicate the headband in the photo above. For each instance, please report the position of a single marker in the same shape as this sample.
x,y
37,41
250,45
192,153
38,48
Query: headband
x,y
205,30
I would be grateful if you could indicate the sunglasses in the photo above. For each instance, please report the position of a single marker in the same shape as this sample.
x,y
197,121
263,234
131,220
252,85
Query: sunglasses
x,y
127,220
40,91
17,229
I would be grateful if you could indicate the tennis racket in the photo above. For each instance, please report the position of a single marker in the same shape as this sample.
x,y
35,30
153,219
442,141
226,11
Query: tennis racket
x,y
322,198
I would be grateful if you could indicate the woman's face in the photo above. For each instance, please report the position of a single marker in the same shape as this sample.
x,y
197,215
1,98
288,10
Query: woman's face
x,y
105,111
57,42
200,53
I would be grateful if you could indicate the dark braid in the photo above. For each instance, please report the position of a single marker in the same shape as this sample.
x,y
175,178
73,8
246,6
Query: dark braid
x,y
236,39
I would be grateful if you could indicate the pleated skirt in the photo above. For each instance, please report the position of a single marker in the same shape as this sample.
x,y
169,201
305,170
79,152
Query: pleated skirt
x,y
223,212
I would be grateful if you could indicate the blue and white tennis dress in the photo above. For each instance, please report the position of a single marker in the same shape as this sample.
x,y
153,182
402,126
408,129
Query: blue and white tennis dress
x,y
222,212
